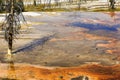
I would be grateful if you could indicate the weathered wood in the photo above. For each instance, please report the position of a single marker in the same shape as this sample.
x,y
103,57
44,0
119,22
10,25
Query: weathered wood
x,y
11,24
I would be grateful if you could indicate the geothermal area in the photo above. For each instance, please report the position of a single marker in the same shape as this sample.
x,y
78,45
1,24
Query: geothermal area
x,y
64,46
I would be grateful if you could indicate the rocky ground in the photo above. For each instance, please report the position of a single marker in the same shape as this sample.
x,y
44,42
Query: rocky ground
x,y
67,39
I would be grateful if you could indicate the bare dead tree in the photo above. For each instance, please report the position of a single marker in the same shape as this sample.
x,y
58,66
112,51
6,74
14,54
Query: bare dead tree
x,y
34,3
11,25
10,30
49,4
112,4
79,4
57,3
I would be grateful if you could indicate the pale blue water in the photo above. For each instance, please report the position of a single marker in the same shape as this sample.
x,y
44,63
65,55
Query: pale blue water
x,y
95,26
96,21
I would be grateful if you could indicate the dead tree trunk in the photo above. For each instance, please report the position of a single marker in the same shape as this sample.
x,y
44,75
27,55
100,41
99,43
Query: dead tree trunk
x,y
11,25
112,4
10,32
34,3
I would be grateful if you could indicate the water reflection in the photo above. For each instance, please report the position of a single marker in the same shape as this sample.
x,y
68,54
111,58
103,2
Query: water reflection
x,y
112,15
11,70
11,74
